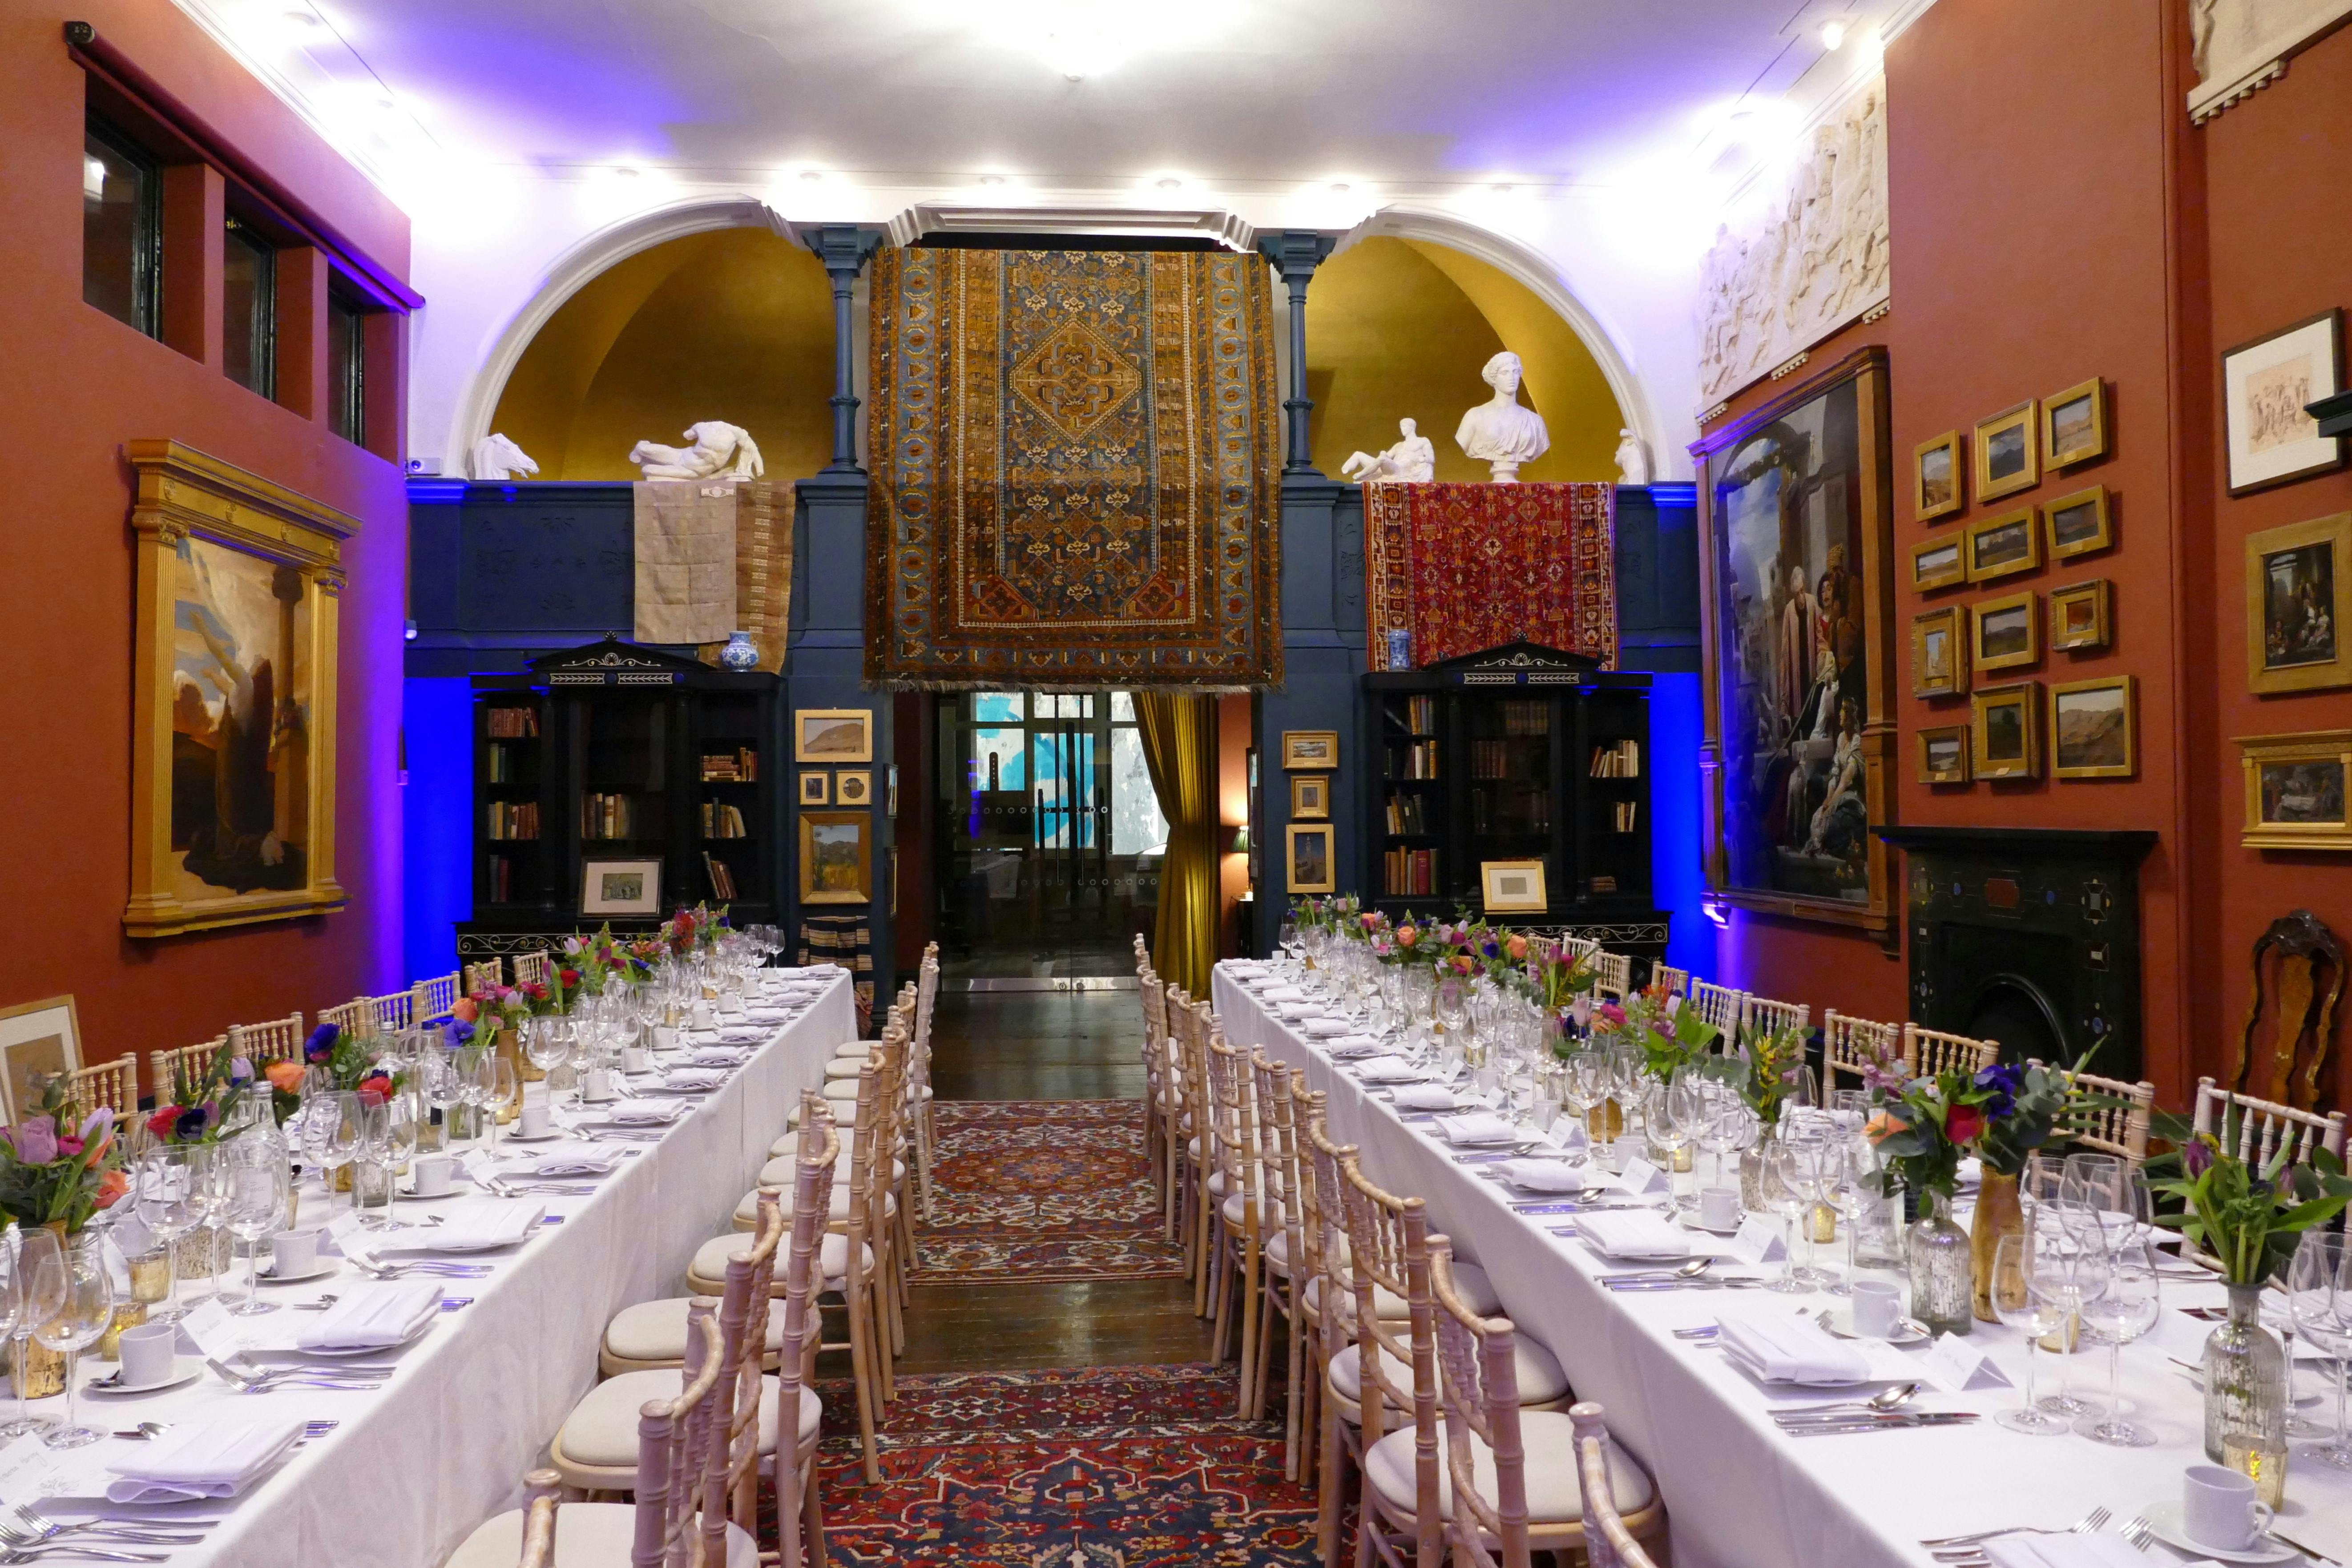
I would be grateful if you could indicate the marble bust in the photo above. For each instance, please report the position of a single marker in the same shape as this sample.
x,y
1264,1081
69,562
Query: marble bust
x,y
1632,459
1498,431
1410,461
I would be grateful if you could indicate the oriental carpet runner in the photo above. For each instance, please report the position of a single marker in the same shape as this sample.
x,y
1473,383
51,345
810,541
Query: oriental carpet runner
x,y
1451,569
1077,464
1036,1190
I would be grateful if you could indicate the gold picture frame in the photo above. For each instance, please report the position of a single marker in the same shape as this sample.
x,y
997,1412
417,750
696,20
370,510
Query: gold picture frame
x,y
852,787
2299,606
1939,477
1939,653
1310,797
2006,633
1512,886
43,1038
2095,728
2080,615
2079,523
2005,730
816,788
1310,748
2297,787
837,858
2007,452
832,736
2074,425
232,696
2005,546
1940,563
1944,754
1310,858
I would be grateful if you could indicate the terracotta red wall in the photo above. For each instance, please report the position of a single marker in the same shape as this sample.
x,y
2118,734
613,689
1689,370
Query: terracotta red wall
x,y
77,385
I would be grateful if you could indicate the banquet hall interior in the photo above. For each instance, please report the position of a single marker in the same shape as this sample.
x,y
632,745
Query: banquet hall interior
x,y
1108,784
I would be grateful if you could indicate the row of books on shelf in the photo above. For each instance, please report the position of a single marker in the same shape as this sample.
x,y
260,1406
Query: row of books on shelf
x,y
721,821
1602,884
513,819
501,879
1419,715
1411,873
607,817
1405,814
722,880
1627,814
1621,761
500,764
1492,759
1526,718
512,723
743,767
1415,759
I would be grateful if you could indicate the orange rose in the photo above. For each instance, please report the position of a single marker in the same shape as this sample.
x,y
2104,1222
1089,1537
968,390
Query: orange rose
x,y
464,1010
111,1186
1884,1126
285,1077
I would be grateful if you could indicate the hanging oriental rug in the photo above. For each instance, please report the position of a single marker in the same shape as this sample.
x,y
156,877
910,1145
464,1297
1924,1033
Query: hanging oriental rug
x,y
1076,470
1027,1190
1451,569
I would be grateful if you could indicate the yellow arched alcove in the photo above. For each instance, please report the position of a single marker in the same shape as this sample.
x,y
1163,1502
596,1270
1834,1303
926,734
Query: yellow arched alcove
x,y
1400,328
735,324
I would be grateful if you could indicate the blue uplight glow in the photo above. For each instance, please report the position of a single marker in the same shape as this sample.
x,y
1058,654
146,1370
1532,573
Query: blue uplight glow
x,y
437,717
1674,721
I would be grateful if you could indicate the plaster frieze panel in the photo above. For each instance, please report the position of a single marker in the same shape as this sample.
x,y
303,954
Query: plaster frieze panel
x,y
2242,46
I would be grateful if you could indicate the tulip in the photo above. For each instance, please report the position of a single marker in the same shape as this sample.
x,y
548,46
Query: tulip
x,y
1581,1011
110,1187
1883,1125
284,1076
1516,947
36,1141
1963,1123
2198,1155
466,1010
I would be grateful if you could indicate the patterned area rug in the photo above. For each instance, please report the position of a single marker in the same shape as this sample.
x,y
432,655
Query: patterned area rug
x,y
1133,1466
1076,470
1451,569
1029,1191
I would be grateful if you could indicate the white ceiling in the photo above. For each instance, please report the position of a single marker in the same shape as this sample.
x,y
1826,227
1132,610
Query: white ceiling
x,y
1394,97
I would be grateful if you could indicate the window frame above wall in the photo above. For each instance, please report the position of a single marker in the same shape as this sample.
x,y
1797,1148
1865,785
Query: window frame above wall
x,y
147,235
259,328
346,346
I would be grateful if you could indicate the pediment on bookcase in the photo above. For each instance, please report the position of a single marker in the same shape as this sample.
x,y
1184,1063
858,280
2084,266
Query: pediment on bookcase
x,y
612,662
1519,654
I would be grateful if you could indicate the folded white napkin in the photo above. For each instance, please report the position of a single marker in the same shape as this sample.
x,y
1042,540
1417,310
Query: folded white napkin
x,y
2068,1551
1324,1027
1349,1045
215,1457
694,1078
742,1036
645,1113
1791,1350
1424,1097
1387,1070
1635,1233
1282,993
473,1226
374,1316
770,1015
718,1056
577,1160
1547,1175
1245,966
1476,1127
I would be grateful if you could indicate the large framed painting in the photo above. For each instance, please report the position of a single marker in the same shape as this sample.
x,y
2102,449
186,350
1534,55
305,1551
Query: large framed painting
x,y
1795,562
2298,603
2296,790
233,751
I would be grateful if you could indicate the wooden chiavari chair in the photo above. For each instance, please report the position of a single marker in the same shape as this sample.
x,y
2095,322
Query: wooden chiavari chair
x,y
1303,1241
166,1069
1763,1013
1608,1543
1189,1023
1580,949
1612,975
2120,1128
533,968
2254,1130
355,1018
1926,1052
1326,1300
1850,1045
490,971
113,1084
919,1094
429,1000
1162,1105
1241,1213
1387,1376
800,1519
1280,1227
1722,1005
1677,981
278,1040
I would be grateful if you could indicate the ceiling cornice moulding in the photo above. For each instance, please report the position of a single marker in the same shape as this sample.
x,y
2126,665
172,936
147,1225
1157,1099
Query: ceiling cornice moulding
x,y
963,217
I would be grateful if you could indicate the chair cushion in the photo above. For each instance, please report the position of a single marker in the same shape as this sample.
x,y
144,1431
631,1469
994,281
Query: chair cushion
x,y
747,1212
1541,1381
1269,1212
857,1049
587,1535
655,1331
710,1264
841,1067
602,1430
784,1170
1555,1495
1477,1293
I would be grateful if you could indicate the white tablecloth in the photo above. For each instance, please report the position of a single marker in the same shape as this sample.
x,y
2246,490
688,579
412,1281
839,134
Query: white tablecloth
x,y
1739,1494
413,1466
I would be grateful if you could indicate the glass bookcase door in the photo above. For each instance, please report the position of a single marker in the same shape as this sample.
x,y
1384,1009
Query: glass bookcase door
x,y
1511,779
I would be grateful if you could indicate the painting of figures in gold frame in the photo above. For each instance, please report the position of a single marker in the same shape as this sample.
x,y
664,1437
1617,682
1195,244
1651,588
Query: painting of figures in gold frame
x,y
2079,615
1944,754
2296,789
2006,731
1940,563
233,749
2095,728
2298,600
1939,653
2074,425
2006,632
1938,480
2008,453
2005,545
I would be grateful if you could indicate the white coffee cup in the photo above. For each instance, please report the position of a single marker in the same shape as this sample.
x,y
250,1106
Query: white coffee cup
x,y
596,1086
433,1174
2218,1508
1877,1308
293,1252
535,1122
1718,1208
636,1059
704,1016
150,1351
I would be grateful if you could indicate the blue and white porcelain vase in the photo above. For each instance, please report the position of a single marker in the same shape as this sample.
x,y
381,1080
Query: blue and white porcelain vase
x,y
741,652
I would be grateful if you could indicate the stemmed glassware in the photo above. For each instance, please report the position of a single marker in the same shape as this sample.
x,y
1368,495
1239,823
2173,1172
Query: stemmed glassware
x,y
396,1129
2127,1308
71,1297
252,1181
2319,1293
1839,1184
165,1193
332,1128
1784,1189
1669,1125
444,1089
549,1040
15,1320
2031,1292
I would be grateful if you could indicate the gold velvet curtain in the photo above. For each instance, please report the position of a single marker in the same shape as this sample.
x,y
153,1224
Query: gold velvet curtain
x,y
1180,748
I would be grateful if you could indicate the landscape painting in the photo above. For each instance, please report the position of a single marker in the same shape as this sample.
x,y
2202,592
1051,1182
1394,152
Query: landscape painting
x,y
836,857
2091,732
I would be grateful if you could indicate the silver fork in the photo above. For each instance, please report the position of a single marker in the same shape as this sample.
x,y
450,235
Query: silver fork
x,y
2091,1522
2138,1532
20,1526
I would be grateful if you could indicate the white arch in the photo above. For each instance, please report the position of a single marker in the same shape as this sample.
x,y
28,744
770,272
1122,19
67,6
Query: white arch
x,y
1523,263
600,251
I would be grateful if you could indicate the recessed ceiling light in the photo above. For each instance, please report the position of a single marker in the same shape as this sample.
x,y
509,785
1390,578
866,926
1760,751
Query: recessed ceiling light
x,y
812,176
1503,185
992,179
1339,186
1832,34
1172,184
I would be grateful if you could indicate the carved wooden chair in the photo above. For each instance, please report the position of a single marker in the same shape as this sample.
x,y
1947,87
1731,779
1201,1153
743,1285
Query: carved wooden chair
x,y
355,1018
1280,1219
1722,1005
1676,981
1612,975
278,1040
113,1084
1235,1185
1608,1543
165,1070
1763,1013
2111,1129
429,1000
1930,1051
1163,1104
1189,1024
919,1094
2309,964
489,972
1385,1382
2255,1130
1308,1232
1850,1045
1580,949
533,968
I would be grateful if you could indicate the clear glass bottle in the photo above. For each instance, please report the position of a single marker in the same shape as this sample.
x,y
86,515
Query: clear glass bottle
x,y
2245,1396
1943,1289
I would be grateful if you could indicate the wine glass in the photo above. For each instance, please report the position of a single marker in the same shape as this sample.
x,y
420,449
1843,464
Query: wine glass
x,y
1668,1131
494,1091
2072,1271
332,1131
1286,937
1839,1181
1813,1155
445,1091
14,1324
1784,1190
2030,1293
2129,1308
72,1293
403,1131
2319,1294
253,1182
165,1196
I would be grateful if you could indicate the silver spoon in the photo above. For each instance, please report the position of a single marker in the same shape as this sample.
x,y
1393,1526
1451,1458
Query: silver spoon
x,y
1691,1270
1892,1397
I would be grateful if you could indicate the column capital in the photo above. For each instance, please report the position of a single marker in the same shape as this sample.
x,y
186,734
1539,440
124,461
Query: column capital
x,y
1295,253
842,246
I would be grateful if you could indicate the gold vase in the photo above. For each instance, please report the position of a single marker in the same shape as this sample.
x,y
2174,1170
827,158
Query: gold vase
x,y
129,1315
1997,1215
36,1371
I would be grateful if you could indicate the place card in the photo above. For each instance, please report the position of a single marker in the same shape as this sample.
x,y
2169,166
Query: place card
x,y
1567,1132
1952,1365
30,1469
1758,1240
478,1164
217,1335
1640,1176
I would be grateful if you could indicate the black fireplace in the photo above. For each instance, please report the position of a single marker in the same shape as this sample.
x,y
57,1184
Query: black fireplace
x,y
2028,936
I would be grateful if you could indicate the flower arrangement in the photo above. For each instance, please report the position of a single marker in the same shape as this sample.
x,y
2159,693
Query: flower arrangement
x,y
1922,1132
699,927
57,1168
1769,1064
350,1065
1670,1035
2252,1220
203,1102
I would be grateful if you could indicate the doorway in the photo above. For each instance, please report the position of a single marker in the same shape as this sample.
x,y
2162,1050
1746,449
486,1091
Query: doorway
x,y
1050,838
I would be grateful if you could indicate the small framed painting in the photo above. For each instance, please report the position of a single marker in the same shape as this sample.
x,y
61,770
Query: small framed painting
x,y
817,789
852,787
2079,615
1512,886
2299,595
40,1038
890,807
1938,489
2093,732
2265,386
2074,425
1310,797
1944,754
621,887
2079,523
1939,653
2296,790
2005,545
1938,564
2008,459
2006,731
1310,748
836,857
1308,849
832,736
2007,632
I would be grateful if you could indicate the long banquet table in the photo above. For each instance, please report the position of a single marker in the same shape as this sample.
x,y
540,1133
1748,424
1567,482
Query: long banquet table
x,y
413,1466
1739,1493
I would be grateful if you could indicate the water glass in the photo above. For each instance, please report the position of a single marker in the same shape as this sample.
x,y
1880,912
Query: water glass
x,y
2319,1298
164,1193
2129,1307
72,1297
2030,1293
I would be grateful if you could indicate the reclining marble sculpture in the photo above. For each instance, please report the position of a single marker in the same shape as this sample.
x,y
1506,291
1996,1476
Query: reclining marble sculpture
x,y
720,451
1413,460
